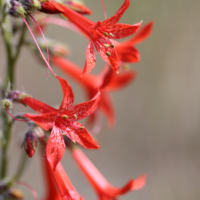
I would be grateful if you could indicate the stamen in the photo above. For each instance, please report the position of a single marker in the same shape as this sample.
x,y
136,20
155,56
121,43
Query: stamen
x,y
106,45
106,34
104,9
44,40
74,141
38,46
75,116
111,34
108,53
112,45
65,117
30,188
81,127
21,120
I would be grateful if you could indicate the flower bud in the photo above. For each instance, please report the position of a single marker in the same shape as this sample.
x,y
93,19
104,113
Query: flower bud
x,y
6,103
15,194
16,8
23,7
17,95
30,143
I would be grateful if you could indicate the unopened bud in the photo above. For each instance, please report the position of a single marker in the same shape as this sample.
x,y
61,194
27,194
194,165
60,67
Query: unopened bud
x,y
16,8
30,143
6,103
15,194
17,95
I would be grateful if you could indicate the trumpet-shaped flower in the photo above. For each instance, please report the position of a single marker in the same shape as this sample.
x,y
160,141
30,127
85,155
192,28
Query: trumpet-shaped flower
x,y
104,190
63,121
99,33
107,81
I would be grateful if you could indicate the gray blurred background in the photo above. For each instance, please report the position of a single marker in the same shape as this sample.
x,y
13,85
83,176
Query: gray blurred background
x,y
157,128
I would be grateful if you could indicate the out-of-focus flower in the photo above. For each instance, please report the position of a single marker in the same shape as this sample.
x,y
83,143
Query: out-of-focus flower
x,y
104,190
99,33
62,121
107,82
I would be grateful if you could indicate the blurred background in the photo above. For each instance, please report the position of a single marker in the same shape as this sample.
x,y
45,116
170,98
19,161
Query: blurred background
x,y
157,128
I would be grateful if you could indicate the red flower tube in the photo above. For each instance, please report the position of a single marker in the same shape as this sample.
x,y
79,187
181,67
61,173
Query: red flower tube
x,y
104,190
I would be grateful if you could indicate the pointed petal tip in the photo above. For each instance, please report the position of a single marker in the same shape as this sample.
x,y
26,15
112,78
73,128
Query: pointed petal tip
x,y
139,183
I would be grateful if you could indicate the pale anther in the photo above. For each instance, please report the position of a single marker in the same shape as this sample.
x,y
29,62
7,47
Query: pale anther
x,y
65,117
106,34
75,116
108,53
106,45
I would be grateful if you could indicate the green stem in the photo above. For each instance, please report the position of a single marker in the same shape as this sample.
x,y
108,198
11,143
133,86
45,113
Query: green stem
x,y
9,82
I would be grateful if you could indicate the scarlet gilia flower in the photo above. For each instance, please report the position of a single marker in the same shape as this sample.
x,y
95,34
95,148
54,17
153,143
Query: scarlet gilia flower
x,y
107,82
62,121
30,143
99,33
104,190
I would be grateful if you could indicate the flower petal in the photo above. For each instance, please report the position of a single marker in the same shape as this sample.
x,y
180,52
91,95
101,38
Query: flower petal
x,y
55,147
46,121
36,105
68,94
141,34
118,31
107,53
78,133
90,58
82,110
117,81
117,16
127,53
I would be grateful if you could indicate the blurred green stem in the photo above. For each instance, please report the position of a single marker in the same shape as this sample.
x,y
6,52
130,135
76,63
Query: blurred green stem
x,y
8,85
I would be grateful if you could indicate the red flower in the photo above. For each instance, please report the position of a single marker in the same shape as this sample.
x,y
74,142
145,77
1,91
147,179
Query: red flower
x,y
63,121
107,81
104,190
99,33
64,185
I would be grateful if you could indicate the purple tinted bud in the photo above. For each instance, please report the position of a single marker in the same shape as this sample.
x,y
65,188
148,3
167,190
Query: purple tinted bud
x,y
30,143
